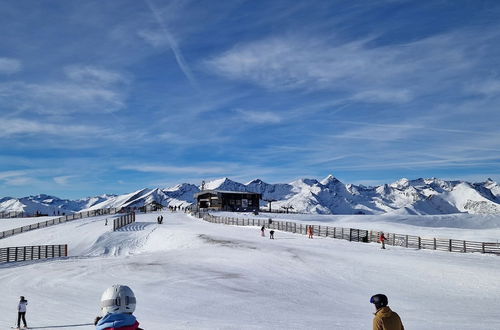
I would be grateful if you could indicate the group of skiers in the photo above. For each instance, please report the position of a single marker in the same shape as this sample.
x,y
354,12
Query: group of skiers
x,y
310,233
263,232
118,305
176,208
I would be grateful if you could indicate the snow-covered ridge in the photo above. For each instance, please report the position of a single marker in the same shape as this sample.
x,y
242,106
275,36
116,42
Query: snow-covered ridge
x,y
328,196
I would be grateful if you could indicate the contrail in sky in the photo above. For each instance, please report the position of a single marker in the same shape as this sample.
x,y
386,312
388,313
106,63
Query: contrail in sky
x,y
173,45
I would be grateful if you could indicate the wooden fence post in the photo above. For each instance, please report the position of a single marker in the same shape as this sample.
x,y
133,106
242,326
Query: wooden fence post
x,y
435,244
449,246
419,243
482,248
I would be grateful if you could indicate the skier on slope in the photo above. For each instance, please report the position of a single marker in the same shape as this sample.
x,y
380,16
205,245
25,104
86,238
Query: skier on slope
x,y
117,306
385,318
262,231
310,231
382,240
21,312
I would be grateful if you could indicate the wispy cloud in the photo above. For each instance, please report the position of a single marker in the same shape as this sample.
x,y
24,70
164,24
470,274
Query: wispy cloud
x,y
10,174
87,90
9,65
63,180
259,117
489,87
9,127
87,74
176,169
400,72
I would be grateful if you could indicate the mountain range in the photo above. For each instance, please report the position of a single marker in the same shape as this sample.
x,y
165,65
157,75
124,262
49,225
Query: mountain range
x,y
328,196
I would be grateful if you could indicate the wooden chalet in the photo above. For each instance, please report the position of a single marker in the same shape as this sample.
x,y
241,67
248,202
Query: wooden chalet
x,y
236,201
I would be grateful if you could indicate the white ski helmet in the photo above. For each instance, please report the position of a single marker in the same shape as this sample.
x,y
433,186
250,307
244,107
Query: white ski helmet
x,y
118,299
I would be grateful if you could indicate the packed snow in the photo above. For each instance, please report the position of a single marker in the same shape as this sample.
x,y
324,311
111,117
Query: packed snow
x,y
191,274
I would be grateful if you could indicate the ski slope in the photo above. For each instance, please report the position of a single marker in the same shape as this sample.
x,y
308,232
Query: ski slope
x,y
190,274
471,227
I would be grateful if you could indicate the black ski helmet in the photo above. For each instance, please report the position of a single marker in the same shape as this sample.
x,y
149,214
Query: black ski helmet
x,y
379,300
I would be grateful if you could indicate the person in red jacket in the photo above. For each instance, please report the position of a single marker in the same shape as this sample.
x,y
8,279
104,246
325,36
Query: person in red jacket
x,y
117,306
310,231
382,240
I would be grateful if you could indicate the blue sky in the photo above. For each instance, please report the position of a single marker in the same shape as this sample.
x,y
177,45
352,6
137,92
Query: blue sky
x,y
113,96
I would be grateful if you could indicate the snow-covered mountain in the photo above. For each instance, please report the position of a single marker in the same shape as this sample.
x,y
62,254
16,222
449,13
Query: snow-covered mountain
x,y
328,196
45,204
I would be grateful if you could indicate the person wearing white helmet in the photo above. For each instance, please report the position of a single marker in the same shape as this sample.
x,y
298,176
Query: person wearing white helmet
x,y
117,306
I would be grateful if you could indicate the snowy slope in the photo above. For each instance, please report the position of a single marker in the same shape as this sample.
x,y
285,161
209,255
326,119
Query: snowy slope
x,y
189,274
328,196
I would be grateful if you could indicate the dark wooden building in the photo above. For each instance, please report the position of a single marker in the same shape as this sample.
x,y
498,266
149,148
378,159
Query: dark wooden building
x,y
239,201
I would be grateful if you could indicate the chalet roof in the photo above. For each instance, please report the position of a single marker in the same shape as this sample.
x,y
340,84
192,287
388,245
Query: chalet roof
x,y
215,191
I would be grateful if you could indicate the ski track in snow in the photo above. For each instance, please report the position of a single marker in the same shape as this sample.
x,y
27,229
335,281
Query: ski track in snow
x,y
190,274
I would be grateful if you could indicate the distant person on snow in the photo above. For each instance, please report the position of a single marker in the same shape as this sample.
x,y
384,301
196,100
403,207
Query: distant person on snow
x,y
310,231
382,240
271,234
263,230
117,306
21,312
385,318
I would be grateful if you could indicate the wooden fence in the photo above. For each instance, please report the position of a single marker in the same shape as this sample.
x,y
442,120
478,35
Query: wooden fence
x,y
14,214
24,253
56,221
123,221
361,235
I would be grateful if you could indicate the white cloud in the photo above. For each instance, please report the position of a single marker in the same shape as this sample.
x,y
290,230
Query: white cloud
x,y
9,65
176,169
9,127
154,38
391,73
19,181
10,174
488,87
259,117
63,180
59,97
92,75
384,96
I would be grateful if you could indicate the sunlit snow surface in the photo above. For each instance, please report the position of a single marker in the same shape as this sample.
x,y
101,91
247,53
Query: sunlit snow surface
x,y
190,274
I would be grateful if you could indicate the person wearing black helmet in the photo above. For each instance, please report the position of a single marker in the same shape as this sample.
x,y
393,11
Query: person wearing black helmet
x,y
385,318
